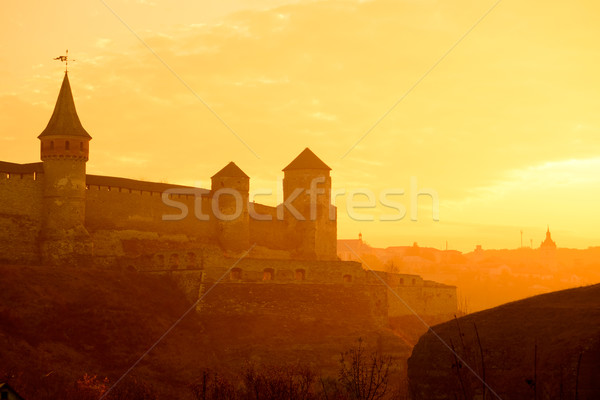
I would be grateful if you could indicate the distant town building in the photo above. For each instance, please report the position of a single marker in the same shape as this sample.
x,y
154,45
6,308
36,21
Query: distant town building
x,y
548,251
548,243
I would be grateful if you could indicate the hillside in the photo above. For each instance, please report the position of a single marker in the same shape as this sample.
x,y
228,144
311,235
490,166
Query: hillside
x,y
57,324
547,346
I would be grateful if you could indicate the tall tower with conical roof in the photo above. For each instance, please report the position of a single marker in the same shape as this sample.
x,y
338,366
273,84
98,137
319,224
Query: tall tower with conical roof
x,y
229,195
307,188
64,152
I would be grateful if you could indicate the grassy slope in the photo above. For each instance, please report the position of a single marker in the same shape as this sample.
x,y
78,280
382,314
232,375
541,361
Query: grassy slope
x,y
561,325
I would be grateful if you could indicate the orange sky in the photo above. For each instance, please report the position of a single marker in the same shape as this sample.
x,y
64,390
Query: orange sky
x,y
505,128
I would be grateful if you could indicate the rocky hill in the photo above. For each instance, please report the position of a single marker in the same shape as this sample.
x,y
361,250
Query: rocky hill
x,y
543,347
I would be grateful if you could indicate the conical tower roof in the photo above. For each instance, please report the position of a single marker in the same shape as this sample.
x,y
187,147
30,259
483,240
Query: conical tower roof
x,y
231,171
64,120
307,160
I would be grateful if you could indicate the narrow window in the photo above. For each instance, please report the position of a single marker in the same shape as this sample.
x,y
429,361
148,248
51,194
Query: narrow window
x,y
80,146
67,145
414,281
268,274
174,261
402,281
52,145
191,260
347,278
235,274
300,273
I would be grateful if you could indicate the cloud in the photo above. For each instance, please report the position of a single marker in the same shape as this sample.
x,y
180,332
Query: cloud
x,y
102,42
323,116
132,160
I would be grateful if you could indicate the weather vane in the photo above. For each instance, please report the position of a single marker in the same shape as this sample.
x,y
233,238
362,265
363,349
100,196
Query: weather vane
x,y
65,59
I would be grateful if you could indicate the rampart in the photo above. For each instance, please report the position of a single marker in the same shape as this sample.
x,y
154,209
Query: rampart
x,y
127,204
126,221
20,211
114,205
400,294
120,211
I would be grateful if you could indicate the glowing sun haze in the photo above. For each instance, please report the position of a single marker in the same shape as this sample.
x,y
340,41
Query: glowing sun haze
x,y
505,128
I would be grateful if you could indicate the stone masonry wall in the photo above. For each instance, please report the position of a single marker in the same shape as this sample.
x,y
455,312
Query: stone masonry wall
x,y
114,208
423,300
270,232
118,204
20,217
403,294
409,294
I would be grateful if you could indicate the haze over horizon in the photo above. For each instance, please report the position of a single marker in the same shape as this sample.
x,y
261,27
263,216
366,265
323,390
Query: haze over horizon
x,y
504,128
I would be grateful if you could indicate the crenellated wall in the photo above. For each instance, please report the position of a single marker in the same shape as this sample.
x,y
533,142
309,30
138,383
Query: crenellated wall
x,y
117,204
116,208
140,225
20,212
123,208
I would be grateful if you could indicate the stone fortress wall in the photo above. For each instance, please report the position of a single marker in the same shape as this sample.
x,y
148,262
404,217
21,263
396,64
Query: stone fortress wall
x,y
20,212
124,219
114,205
54,213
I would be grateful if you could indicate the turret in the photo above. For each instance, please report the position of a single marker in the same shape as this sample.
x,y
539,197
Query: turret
x,y
64,152
229,193
307,188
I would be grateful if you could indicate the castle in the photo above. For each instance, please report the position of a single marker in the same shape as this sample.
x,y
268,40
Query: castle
x,y
54,213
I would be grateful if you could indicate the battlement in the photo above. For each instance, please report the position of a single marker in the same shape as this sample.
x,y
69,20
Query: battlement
x,y
10,170
169,209
124,185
